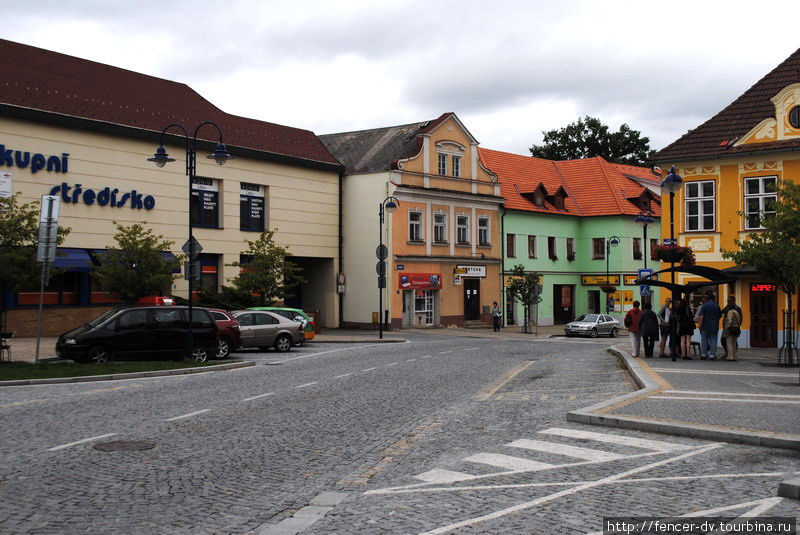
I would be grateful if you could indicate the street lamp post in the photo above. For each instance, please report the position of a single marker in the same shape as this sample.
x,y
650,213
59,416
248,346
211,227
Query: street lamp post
x,y
613,241
161,158
643,220
672,184
389,204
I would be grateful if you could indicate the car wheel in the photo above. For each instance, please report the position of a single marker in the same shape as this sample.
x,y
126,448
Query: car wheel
x,y
593,334
283,343
98,355
613,333
200,354
224,348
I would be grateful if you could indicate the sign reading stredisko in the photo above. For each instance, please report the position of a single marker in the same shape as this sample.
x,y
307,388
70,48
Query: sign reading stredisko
x,y
471,271
420,281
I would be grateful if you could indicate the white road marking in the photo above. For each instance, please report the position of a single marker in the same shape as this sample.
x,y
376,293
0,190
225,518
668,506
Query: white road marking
x,y
307,384
329,351
734,394
472,349
392,364
562,449
655,445
18,403
61,447
369,369
444,352
733,400
259,396
186,415
566,492
442,477
426,357
343,375
411,360
508,462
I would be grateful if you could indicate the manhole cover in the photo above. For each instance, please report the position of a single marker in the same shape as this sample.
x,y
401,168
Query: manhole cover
x,y
125,445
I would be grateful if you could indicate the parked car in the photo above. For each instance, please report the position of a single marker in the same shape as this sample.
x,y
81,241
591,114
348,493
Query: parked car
x,y
141,332
592,325
264,329
294,314
230,336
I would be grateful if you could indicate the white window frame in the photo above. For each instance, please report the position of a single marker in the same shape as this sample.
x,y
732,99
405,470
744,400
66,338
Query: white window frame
x,y
442,164
762,196
700,200
417,224
440,225
460,227
456,165
484,229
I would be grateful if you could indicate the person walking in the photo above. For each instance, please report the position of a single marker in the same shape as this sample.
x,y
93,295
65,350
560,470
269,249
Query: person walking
x,y
631,322
674,329
663,326
497,316
685,327
731,329
648,328
723,339
709,316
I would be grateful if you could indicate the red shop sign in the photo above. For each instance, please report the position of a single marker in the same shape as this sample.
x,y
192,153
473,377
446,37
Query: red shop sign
x,y
420,281
762,287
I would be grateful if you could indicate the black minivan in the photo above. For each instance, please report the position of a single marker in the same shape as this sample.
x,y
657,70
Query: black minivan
x,y
141,332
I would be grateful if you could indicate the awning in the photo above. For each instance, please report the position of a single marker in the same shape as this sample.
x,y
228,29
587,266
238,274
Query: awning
x,y
97,257
72,259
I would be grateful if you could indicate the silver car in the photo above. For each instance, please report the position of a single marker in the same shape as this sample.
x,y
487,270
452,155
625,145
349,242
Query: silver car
x,y
592,325
264,329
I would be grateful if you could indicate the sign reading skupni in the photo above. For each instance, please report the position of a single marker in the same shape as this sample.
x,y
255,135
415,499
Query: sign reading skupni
x,y
471,271
36,161
420,281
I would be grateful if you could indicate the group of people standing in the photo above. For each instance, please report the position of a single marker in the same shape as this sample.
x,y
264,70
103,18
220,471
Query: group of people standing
x,y
676,322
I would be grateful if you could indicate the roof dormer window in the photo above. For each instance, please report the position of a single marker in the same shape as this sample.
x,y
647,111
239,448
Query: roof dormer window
x,y
538,198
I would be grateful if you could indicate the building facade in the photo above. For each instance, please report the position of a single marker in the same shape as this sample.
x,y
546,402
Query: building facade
x,y
443,265
558,219
730,166
83,131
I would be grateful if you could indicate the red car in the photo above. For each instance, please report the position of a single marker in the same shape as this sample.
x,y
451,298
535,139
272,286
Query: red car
x,y
230,336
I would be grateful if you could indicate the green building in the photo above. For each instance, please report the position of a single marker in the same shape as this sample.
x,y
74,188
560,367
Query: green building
x,y
560,219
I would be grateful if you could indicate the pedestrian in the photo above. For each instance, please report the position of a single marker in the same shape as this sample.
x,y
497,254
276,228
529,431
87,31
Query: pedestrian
x,y
731,329
709,316
722,340
497,316
663,325
673,328
631,322
685,327
648,328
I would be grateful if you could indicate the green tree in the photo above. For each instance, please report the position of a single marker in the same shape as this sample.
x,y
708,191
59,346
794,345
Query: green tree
x,y
589,137
135,267
526,288
19,234
268,272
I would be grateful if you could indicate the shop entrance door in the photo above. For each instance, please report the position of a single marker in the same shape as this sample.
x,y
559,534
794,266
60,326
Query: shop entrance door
x,y
563,303
763,317
594,302
472,299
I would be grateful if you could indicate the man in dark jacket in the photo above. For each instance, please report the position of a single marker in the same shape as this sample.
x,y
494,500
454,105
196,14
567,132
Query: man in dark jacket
x,y
632,324
648,328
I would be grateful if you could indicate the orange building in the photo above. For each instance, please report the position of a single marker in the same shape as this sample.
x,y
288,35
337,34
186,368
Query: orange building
x,y
730,166
444,238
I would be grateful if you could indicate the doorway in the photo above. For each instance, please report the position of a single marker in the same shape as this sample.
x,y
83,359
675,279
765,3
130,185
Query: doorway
x,y
563,303
472,299
763,316
594,302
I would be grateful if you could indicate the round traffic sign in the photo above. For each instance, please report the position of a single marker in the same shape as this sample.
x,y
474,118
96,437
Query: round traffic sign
x,y
380,268
382,252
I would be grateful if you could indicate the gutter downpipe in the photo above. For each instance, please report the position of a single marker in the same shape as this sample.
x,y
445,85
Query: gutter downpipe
x,y
503,264
341,245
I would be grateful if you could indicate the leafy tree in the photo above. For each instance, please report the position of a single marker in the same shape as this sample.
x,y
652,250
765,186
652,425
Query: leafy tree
x,y
589,137
19,235
135,267
268,273
525,288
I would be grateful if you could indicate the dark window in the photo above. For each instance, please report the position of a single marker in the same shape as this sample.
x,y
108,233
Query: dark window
x,y
265,319
570,249
794,117
165,318
559,202
598,248
511,245
205,203
531,246
483,231
637,248
200,318
653,243
551,248
219,316
251,207
538,198
133,319
245,320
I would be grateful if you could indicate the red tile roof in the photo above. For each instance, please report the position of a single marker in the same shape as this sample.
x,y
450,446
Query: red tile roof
x,y
594,186
715,137
41,80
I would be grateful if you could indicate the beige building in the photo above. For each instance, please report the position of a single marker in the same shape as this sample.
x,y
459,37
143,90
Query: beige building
x,y
83,130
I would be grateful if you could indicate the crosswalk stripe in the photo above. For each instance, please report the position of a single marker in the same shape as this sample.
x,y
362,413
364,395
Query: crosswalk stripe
x,y
508,462
562,449
441,476
655,445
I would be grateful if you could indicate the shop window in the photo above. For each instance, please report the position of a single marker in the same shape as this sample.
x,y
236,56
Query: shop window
x,y
462,230
205,202
699,205
456,165
598,248
423,306
552,253
759,201
483,231
637,248
209,271
440,228
442,164
531,246
570,249
415,226
511,245
252,206
61,289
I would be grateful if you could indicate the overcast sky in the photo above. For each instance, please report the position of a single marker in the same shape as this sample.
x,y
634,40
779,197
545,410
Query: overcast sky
x,y
509,69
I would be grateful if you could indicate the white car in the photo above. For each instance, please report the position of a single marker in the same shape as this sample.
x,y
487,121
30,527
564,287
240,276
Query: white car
x,y
592,325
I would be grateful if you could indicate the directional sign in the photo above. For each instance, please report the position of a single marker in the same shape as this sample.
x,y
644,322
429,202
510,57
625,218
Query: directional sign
x,y
192,248
196,270
381,252
670,241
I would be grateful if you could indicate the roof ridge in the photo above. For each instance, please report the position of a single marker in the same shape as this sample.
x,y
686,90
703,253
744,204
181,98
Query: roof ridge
x,y
569,190
418,124
602,161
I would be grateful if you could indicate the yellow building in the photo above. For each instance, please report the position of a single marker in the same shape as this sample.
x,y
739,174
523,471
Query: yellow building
x,y
730,165
443,240
84,130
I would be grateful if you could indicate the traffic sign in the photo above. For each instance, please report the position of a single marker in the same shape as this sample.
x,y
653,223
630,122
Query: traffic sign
x,y
382,252
192,248
670,241
196,270
380,268
644,290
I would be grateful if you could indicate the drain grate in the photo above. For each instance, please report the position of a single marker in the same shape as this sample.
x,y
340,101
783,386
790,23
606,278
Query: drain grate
x,y
125,445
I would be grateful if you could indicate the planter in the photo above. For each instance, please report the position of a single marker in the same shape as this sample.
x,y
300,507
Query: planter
x,y
608,288
670,254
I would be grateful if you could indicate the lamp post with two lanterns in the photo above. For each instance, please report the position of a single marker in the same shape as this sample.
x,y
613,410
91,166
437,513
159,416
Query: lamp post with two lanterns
x,y
389,204
672,184
613,241
644,219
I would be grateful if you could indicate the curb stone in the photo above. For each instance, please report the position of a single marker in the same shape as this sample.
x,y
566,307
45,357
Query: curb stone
x,y
359,341
134,375
789,489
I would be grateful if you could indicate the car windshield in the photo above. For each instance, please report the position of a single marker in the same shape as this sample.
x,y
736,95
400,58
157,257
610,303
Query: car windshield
x,y
102,317
591,318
